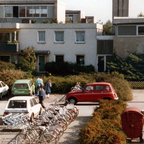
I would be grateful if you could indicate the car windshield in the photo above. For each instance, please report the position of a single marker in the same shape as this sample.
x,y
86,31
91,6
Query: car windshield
x,y
20,86
17,104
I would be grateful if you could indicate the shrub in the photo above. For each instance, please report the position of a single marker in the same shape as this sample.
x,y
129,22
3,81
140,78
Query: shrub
x,y
66,68
27,60
105,126
6,65
10,76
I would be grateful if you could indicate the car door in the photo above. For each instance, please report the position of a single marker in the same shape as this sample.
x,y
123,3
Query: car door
x,y
98,92
88,93
36,107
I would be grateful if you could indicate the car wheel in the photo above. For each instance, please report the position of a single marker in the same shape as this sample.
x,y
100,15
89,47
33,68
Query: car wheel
x,y
32,117
107,98
72,101
1,96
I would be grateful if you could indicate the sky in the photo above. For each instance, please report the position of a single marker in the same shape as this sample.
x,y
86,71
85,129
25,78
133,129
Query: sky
x,y
102,9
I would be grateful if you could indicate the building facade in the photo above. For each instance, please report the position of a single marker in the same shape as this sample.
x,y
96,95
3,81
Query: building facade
x,y
27,24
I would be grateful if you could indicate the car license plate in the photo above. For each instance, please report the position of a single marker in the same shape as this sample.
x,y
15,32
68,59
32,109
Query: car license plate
x,y
19,91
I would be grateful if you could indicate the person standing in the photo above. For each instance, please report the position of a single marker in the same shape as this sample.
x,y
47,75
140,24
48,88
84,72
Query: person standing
x,y
48,86
39,82
41,96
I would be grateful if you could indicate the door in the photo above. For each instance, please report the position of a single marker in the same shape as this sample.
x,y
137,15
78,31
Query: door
x,y
41,63
88,93
100,63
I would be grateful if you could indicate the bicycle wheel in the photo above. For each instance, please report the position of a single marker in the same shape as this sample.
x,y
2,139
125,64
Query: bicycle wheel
x,y
63,123
22,139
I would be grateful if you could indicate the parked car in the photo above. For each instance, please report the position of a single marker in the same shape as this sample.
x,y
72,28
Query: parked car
x,y
4,89
92,92
23,104
23,87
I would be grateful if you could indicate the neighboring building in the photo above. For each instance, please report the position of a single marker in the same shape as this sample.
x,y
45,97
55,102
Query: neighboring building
x,y
129,35
75,15
120,8
129,32
19,11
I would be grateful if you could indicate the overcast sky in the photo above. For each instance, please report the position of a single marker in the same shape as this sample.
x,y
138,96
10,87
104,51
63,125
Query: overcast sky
x,y
102,9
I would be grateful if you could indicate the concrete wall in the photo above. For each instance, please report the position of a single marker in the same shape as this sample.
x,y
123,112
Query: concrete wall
x,y
28,35
132,44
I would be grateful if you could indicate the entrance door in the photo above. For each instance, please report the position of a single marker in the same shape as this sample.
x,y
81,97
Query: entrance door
x,y
100,63
41,63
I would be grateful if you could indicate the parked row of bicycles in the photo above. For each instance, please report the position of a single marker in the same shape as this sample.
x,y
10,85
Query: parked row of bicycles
x,y
46,128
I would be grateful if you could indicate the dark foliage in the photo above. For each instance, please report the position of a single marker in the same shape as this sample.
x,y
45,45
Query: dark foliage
x,y
131,67
65,68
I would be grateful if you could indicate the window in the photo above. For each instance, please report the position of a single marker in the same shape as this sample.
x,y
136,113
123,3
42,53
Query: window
x,y
59,36
89,88
104,46
34,101
15,11
8,11
141,30
59,58
22,11
107,88
99,88
26,11
80,36
20,86
126,30
17,104
44,11
80,59
41,36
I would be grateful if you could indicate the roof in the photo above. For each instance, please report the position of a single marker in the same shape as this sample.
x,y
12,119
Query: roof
x,y
21,98
99,83
42,52
22,81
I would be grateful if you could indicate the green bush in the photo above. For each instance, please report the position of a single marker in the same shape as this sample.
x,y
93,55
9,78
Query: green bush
x,y
62,85
6,65
10,76
105,126
66,68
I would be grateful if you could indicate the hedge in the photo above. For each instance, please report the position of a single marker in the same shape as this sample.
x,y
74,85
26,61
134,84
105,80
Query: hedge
x,y
67,68
62,85
10,76
105,126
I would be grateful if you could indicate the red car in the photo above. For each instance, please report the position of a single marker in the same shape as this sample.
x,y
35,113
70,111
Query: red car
x,y
92,92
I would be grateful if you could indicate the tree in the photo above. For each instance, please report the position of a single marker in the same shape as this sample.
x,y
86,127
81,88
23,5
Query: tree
x,y
108,28
27,61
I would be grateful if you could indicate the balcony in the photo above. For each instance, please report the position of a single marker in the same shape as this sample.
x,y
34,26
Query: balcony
x,y
9,47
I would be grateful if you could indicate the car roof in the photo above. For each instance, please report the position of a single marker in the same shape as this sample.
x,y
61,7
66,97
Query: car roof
x,y
21,98
99,83
22,81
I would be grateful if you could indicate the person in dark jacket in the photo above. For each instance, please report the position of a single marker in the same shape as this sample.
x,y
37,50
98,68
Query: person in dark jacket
x,y
41,95
48,86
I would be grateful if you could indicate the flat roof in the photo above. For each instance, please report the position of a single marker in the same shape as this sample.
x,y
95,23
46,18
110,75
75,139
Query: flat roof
x,y
128,20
